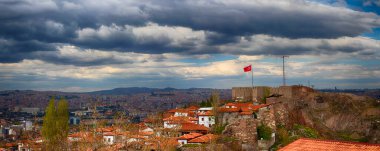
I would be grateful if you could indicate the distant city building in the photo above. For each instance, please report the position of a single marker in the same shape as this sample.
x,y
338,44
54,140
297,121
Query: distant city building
x,y
31,110
28,125
74,120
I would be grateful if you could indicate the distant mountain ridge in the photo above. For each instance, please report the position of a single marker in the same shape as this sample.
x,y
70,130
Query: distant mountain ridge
x,y
124,91
134,90
115,91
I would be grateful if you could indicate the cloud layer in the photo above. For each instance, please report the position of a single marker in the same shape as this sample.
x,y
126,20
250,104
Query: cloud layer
x,y
185,27
188,39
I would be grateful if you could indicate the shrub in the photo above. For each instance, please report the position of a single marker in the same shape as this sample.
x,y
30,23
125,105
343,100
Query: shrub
x,y
305,131
264,132
191,145
218,128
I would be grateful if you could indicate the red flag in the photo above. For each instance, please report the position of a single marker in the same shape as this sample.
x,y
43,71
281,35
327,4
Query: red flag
x,y
248,68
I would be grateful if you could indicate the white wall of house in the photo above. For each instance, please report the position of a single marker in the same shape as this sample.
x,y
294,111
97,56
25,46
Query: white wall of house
x,y
207,121
169,125
182,141
147,130
109,140
180,114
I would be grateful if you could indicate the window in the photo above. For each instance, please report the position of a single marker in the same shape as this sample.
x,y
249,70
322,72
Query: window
x,y
254,115
203,119
109,139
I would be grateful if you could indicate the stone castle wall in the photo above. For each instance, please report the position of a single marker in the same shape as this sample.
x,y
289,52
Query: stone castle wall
x,y
244,93
247,93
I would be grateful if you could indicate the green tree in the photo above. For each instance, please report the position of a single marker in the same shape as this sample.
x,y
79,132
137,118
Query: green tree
x,y
62,119
49,123
56,124
264,132
214,100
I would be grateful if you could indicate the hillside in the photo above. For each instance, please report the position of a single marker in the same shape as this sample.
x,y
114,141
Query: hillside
x,y
124,91
339,116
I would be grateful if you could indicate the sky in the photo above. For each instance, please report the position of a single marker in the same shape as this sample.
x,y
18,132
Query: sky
x,y
87,45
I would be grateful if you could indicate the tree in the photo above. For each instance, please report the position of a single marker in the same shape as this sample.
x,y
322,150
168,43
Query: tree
x,y
48,127
214,99
62,119
56,123
49,130
264,132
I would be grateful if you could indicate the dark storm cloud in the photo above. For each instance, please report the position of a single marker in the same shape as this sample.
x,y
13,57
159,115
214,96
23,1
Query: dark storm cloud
x,y
54,57
214,38
28,26
267,45
15,51
292,19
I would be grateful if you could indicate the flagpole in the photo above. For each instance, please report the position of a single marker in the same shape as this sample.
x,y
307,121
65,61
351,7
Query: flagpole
x,y
252,76
252,81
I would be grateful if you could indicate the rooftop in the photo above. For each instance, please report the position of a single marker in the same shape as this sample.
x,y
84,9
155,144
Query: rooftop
x,y
180,119
207,113
193,127
203,139
306,144
190,136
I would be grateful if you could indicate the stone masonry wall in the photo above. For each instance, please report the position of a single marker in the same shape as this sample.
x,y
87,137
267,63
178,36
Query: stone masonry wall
x,y
247,93
245,131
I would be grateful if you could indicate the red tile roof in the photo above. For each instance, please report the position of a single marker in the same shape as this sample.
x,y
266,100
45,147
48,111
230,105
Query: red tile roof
x,y
223,109
203,139
230,104
109,134
180,119
10,144
126,133
306,144
105,129
146,133
192,108
80,135
190,136
207,113
193,127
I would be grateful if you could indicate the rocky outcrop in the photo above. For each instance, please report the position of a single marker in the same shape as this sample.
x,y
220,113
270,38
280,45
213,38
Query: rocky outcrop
x,y
334,115
245,131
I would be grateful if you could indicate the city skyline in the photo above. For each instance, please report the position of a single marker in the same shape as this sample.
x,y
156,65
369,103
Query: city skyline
x,y
88,45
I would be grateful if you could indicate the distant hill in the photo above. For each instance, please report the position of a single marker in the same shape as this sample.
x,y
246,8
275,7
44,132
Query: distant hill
x,y
135,90
374,93
124,91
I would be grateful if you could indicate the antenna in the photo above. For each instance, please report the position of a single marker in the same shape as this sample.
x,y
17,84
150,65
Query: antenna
x,y
283,70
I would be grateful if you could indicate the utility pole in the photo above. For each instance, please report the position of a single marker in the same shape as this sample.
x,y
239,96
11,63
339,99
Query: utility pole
x,y
283,70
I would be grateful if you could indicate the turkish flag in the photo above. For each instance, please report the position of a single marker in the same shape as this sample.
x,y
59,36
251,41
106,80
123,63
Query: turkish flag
x,y
248,68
